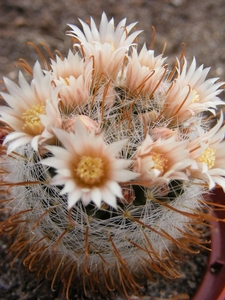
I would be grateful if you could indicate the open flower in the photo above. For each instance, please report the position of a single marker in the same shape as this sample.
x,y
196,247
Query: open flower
x,y
32,111
162,160
191,93
73,76
140,76
73,94
147,58
107,46
179,105
72,65
106,60
88,168
207,150
107,33
204,91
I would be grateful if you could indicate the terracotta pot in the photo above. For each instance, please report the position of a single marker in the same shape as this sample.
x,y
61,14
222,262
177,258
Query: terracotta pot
x,y
213,283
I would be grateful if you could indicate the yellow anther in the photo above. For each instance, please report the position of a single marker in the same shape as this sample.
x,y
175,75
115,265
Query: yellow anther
x,y
90,169
112,47
66,81
208,157
195,96
32,120
160,162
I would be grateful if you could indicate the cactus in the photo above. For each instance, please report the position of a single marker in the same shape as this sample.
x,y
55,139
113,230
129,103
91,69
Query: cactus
x,y
106,157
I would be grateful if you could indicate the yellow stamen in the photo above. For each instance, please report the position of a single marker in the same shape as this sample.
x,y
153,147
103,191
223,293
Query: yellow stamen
x,y
32,119
208,157
66,80
195,96
112,47
90,169
160,161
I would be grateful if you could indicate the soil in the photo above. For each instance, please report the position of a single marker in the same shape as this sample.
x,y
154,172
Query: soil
x,y
199,24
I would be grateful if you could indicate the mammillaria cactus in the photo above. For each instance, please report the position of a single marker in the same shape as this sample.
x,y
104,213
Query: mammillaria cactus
x,y
106,157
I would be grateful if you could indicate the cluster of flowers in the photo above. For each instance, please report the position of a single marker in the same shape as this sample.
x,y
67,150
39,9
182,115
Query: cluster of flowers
x,y
113,117
114,139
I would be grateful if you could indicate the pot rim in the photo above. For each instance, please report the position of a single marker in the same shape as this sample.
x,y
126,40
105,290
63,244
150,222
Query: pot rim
x,y
213,284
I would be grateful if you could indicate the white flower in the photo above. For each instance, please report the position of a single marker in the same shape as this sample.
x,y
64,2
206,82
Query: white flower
x,y
178,105
190,93
204,91
162,160
207,150
116,37
72,65
139,77
106,62
32,111
106,47
73,76
90,124
74,93
147,58
87,167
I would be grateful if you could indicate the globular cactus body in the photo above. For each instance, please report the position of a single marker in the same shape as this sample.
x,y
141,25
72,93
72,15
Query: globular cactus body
x,y
106,157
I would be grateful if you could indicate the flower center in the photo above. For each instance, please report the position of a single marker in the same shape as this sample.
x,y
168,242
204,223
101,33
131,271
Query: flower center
x,y
90,169
32,119
195,96
208,157
160,162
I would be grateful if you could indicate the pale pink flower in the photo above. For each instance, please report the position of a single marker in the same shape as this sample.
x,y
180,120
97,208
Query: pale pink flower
x,y
147,58
88,167
161,161
163,132
90,125
73,93
191,93
73,76
32,112
139,78
204,91
72,65
105,60
107,47
116,37
207,152
178,105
